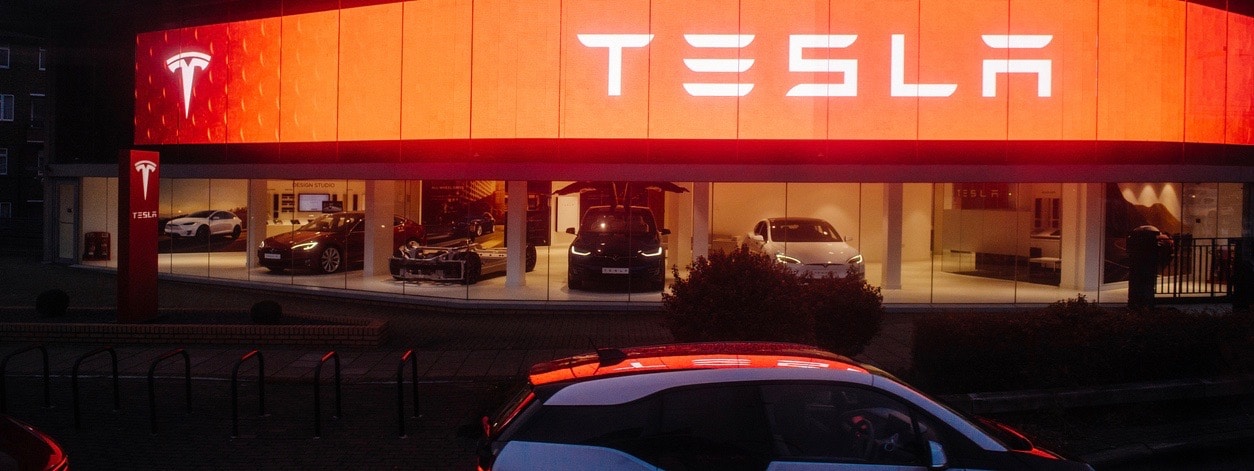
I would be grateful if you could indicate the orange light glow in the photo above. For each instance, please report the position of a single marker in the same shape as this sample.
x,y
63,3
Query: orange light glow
x,y
812,70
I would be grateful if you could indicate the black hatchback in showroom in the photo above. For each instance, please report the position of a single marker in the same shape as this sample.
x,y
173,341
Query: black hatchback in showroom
x,y
617,245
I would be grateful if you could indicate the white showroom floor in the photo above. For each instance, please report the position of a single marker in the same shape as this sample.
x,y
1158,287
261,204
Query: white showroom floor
x,y
923,283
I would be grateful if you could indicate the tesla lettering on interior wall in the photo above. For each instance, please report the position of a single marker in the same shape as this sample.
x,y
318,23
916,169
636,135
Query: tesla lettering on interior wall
x,y
797,62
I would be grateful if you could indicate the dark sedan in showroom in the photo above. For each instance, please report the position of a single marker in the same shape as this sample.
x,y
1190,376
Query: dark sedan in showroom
x,y
330,243
618,245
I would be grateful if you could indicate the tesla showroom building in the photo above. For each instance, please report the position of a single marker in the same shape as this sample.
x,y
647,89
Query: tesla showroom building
x,y
972,151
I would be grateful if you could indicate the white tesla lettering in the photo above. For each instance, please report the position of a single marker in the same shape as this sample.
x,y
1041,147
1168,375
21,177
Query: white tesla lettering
x,y
718,41
1043,68
145,168
186,63
798,43
899,85
615,44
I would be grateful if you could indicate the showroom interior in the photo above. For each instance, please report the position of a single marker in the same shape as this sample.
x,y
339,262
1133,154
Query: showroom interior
x,y
984,243
984,152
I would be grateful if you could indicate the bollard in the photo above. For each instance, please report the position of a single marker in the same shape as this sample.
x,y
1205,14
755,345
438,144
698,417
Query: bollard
x,y
261,389
318,391
4,378
400,389
152,393
117,404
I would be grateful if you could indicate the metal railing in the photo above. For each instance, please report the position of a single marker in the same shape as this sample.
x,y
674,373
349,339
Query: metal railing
x,y
400,389
261,389
4,377
152,392
1198,268
117,403
318,391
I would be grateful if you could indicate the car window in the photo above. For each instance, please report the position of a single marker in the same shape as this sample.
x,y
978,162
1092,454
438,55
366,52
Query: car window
x,y
617,222
804,231
826,422
760,229
200,214
711,427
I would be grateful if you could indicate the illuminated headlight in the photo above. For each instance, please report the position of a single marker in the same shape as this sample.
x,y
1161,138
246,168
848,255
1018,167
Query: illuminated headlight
x,y
652,253
582,253
305,246
781,258
188,223
262,245
856,260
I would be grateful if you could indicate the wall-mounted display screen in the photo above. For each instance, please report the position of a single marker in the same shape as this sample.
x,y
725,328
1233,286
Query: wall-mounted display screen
x,y
311,201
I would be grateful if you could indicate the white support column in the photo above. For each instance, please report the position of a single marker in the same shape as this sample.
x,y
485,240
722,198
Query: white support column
x,y
893,209
380,209
1082,223
260,209
516,234
701,211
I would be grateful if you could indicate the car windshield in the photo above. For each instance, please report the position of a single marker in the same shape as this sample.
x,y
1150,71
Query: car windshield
x,y
621,221
331,222
200,214
803,230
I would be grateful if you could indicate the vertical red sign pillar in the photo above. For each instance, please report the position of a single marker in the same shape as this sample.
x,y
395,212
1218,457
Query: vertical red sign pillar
x,y
137,234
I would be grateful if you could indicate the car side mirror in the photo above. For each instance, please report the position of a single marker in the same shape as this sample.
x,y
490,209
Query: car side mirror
x,y
938,459
757,238
570,230
664,231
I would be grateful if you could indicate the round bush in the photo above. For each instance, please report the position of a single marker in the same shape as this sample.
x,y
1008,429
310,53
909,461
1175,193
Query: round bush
x,y
52,303
266,312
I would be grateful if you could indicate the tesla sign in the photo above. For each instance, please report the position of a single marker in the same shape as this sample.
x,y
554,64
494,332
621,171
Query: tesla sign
x,y
816,70
138,173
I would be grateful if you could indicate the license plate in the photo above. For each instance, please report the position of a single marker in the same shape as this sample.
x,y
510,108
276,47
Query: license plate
x,y
614,271
273,256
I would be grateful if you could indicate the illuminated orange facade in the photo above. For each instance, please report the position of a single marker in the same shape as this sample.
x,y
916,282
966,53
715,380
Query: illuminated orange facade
x,y
1050,70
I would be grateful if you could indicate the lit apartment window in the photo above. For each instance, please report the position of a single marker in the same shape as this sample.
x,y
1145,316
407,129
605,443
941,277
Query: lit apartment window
x,y
43,56
4,57
4,161
6,210
6,107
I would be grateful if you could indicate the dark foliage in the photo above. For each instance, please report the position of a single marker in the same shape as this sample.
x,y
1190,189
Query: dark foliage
x,y
266,312
744,295
847,313
1075,343
52,303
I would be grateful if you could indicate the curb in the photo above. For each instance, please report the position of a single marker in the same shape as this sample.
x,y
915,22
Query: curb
x,y
1147,451
1130,393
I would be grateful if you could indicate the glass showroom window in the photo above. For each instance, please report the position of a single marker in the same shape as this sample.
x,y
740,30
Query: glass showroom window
x,y
4,161
4,57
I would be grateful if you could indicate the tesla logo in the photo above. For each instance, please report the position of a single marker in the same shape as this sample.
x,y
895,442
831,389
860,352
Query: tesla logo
x,y
798,43
186,64
145,168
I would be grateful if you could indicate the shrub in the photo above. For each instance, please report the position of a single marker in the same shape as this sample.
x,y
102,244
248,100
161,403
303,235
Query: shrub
x,y
266,312
744,295
737,295
1075,343
52,303
847,313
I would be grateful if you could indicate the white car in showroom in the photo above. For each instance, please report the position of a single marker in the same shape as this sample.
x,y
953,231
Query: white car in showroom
x,y
202,224
809,246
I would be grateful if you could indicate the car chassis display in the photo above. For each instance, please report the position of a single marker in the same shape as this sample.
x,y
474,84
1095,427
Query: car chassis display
x,y
465,262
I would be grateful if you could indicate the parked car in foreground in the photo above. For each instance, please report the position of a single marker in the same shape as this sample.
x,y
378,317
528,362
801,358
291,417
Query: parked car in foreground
x,y
738,406
466,263
330,243
808,246
23,447
202,224
617,244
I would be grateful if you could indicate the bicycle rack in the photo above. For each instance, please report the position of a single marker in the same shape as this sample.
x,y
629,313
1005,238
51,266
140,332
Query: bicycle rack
x,y
261,389
74,381
400,389
152,393
318,391
4,368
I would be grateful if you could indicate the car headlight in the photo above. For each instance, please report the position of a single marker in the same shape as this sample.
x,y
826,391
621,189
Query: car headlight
x,y
189,223
262,245
575,251
855,260
781,258
305,246
652,253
